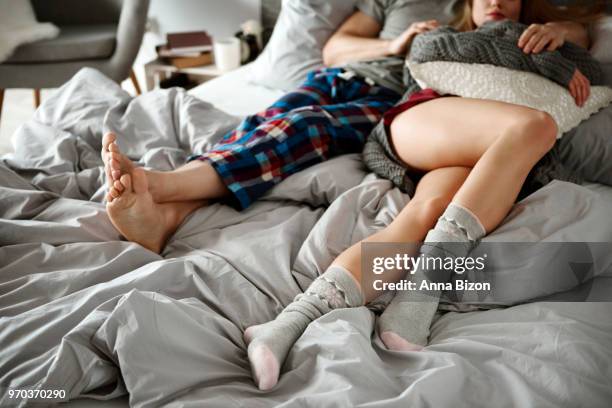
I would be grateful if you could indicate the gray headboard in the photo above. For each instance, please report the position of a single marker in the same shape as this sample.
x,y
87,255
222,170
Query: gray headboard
x,y
270,10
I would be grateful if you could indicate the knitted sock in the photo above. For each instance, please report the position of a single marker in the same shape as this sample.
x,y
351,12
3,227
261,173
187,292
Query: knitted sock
x,y
404,325
269,343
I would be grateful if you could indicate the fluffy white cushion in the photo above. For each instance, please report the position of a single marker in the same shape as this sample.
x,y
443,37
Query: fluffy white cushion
x,y
484,81
295,46
18,26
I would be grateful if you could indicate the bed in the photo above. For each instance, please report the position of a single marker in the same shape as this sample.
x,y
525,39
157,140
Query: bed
x,y
236,94
113,324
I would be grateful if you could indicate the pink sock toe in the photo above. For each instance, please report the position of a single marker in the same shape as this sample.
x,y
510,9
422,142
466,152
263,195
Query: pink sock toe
x,y
264,366
395,342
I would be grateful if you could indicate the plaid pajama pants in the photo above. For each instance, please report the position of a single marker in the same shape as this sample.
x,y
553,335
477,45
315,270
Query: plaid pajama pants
x,y
325,117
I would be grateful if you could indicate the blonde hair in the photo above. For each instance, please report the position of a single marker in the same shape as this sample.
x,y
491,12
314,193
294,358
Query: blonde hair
x,y
536,11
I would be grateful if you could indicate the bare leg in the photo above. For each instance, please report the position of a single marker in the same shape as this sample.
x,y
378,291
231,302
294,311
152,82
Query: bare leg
x,y
433,194
501,142
196,180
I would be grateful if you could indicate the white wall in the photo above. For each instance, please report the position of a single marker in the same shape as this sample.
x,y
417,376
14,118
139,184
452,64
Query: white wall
x,y
220,18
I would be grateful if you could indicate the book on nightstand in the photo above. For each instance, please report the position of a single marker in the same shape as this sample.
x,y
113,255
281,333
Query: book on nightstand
x,y
187,49
187,60
191,41
205,58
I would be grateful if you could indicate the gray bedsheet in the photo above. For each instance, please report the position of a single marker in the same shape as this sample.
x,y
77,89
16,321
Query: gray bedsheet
x,y
83,311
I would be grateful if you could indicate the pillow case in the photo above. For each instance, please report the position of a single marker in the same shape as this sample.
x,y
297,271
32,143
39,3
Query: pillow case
x,y
18,26
296,44
607,73
601,34
485,81
601,49
587,150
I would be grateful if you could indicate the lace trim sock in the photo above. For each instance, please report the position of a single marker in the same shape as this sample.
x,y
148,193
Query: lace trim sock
x,y
269,343
404,325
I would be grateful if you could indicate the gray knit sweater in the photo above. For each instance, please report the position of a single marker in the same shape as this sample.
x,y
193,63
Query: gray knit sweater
x,y
496,44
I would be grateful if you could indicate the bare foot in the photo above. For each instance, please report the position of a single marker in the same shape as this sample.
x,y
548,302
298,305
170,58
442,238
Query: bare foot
x,y
115,163
134,213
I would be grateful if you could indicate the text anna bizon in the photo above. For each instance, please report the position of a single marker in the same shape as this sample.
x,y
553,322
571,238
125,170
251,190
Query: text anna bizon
x,y
432,266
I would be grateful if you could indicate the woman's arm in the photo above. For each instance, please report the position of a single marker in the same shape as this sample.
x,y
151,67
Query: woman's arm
x,y
553,35
574,32
550,37
357,40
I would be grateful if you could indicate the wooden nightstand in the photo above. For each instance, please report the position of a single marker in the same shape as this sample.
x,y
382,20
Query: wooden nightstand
x,y
158,70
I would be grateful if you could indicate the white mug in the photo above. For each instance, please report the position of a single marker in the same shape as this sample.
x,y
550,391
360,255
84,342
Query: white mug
x,y
227,53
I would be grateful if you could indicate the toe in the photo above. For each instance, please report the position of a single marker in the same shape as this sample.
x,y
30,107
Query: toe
x,y
126,181
117,184
114,162
107,140
116,174
109,197
113,147
114,192
264,366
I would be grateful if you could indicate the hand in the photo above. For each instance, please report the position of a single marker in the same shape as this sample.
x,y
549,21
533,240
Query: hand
x,y
580,88
538,37
400,45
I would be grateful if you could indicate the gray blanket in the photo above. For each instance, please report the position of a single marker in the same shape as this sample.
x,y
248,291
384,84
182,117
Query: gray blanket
x,y
83,311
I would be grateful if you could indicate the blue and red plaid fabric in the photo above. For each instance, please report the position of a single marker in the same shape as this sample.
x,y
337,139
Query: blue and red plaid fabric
x,y
326,117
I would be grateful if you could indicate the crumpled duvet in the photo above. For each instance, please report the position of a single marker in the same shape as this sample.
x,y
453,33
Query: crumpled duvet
x,y
85,312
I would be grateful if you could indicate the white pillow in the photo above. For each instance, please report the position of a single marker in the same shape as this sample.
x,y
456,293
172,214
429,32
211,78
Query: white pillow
x,y
295,47
18,26
485,81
